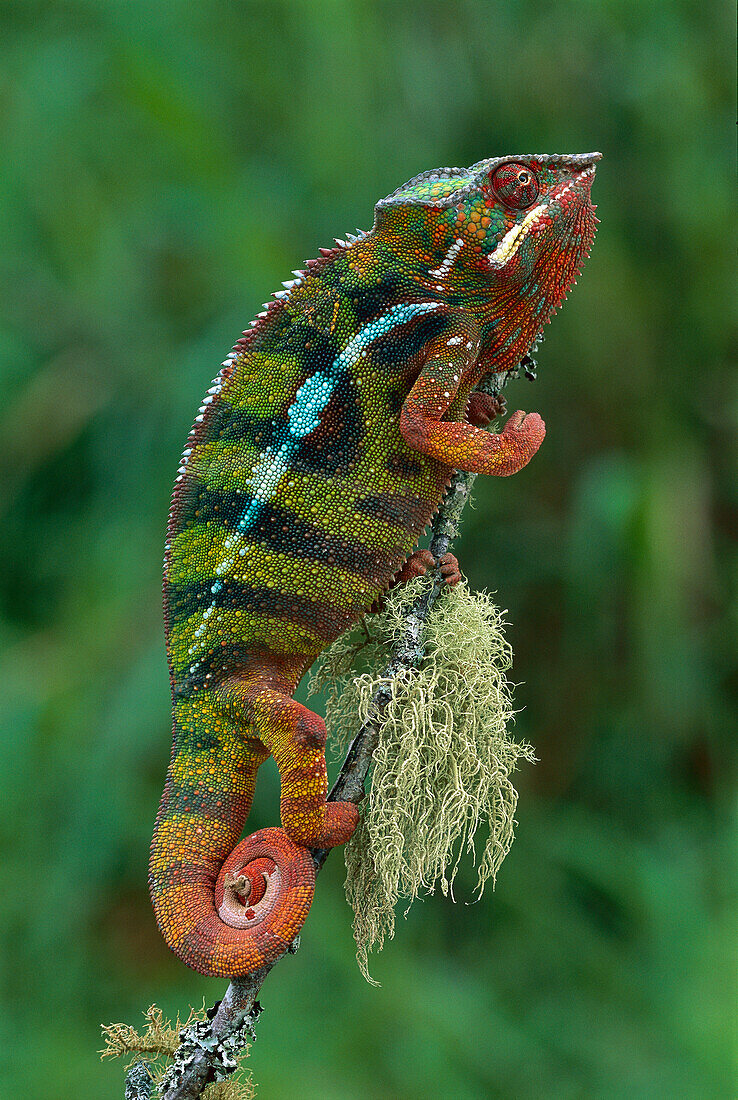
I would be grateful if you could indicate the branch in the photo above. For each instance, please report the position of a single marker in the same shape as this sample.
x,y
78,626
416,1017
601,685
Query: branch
x,y
209,1048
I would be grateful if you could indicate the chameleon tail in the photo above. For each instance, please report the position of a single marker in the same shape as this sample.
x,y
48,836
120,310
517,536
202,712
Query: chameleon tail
x,y
224,908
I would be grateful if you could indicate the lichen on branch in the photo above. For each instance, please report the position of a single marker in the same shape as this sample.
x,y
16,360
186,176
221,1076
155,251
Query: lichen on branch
x,y
155,1051
444,758
232,1018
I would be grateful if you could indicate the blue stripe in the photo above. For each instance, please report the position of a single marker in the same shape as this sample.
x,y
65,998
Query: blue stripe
x,y
303,416
305,413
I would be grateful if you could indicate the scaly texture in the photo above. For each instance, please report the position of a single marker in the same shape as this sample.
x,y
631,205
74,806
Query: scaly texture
x,y
319,454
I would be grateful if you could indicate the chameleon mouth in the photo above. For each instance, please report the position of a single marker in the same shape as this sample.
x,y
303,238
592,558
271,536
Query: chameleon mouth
x,y
563,194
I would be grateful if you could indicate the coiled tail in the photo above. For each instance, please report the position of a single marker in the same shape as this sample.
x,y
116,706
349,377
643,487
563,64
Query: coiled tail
x,y
225,908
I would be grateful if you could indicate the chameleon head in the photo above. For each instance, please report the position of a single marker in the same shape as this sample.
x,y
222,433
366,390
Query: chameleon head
x,y
516,227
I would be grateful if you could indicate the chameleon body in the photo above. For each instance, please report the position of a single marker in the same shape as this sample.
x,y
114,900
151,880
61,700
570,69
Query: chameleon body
x,y
319,455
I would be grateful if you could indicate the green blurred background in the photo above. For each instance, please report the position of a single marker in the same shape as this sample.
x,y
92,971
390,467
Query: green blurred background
x,y
166,166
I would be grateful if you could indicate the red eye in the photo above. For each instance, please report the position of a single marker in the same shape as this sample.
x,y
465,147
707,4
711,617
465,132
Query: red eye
x,y
515,185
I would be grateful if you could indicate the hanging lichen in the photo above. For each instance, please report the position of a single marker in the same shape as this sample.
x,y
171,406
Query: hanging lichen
x,y
443,763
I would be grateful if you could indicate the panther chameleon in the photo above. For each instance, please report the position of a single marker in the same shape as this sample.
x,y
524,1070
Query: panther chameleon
x,y
319,455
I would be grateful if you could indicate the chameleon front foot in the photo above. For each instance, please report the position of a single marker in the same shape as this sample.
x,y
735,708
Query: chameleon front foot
x,y
482,408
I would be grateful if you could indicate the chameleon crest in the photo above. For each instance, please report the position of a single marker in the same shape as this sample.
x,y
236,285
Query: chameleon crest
x,y
318,456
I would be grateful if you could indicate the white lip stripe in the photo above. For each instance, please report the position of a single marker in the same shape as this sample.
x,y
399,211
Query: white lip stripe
x,y
512,240
303,416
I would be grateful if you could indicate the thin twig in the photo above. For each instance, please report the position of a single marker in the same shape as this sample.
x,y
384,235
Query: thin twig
x,y
209,1049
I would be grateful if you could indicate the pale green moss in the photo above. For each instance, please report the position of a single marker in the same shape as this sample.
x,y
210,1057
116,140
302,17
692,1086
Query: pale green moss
x,y
443,763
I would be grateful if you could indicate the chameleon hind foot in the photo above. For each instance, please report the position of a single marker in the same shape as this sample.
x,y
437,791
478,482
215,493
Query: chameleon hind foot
x,y
449,566
421,561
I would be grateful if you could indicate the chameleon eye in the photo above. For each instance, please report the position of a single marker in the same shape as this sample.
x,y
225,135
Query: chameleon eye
x,y
515,185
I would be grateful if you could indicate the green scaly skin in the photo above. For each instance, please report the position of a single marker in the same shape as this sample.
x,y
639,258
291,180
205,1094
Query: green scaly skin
x,y
320,453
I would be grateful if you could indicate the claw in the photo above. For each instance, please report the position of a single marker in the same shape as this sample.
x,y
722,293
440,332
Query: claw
x,y
449,568
483,408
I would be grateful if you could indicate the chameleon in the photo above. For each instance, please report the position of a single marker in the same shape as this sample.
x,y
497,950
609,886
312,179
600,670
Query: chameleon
x,y
318,457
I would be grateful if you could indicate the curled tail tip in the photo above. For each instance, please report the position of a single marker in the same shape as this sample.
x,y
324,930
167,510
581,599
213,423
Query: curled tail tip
x,y
246,916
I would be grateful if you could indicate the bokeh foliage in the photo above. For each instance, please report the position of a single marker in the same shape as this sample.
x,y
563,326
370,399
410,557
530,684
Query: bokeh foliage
x,y
166,166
